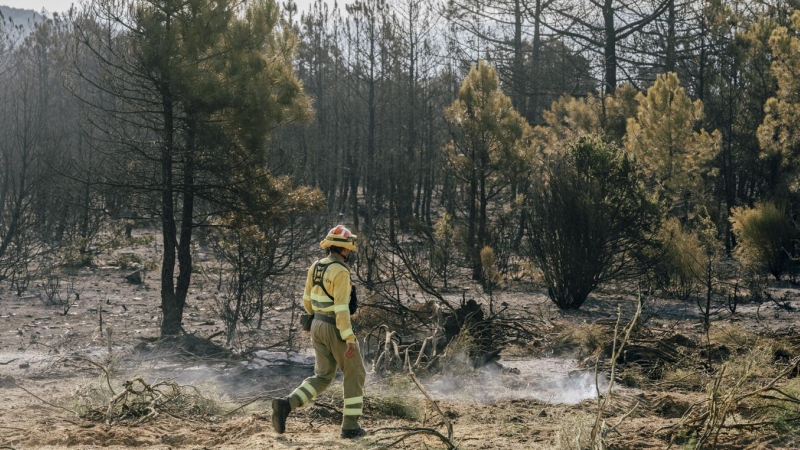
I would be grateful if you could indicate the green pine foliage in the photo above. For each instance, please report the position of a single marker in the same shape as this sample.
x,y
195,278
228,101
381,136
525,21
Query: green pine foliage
x,y
663,139
489,141
779,134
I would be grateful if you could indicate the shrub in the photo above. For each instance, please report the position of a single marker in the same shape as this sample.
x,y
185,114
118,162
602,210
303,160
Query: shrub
x,y
677,271
764,235
443,249
591,221
74,254
129,261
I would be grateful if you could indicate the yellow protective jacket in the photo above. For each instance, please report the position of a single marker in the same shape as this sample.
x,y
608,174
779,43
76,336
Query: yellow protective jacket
x,y
337,283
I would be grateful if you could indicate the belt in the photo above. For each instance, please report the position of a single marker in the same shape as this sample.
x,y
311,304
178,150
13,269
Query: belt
x,y
325,318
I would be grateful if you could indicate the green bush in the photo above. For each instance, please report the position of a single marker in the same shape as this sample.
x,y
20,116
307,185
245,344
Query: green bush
x,y
129,261
764,235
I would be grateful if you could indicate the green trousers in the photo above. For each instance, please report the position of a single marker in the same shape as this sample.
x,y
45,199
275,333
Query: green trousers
x,y
329,351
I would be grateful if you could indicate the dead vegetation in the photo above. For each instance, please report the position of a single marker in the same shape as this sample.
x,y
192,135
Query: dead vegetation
x,y
750,393
709,397
140,402
671,382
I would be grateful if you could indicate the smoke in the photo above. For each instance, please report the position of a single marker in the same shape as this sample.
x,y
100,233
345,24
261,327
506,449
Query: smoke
x,y
265,372
551,380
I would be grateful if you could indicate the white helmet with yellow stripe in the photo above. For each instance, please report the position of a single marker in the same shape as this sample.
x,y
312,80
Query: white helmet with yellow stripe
x,y
340,236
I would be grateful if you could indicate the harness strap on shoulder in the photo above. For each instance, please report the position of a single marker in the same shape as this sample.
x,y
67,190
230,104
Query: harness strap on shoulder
x,y
319,275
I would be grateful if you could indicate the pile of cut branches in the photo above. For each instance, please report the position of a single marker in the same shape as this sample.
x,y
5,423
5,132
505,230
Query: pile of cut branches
x,y
466,330
141,402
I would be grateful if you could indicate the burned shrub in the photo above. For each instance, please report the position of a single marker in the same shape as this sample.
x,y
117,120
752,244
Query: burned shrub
x,y
484,336
141,401
591,221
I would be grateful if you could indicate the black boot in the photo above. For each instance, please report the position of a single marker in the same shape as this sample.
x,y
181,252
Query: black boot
x,y
353,433
280,411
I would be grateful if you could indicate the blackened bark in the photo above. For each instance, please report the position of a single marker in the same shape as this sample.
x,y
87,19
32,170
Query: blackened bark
x,y
171,311
187,221
610,49
472,241
671,58
517,78
533,108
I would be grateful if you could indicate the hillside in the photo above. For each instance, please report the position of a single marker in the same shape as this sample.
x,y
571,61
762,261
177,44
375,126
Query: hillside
x,y
24,17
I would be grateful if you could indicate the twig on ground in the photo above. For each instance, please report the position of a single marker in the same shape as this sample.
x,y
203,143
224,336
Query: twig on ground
x,y
8,362
101,367
599,429
447,422
43,400
411,431
218,333
260,397
622,419
327,406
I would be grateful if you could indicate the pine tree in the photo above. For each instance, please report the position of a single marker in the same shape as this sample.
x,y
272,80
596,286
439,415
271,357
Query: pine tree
x,y
662,137
779,134
489,138
198,87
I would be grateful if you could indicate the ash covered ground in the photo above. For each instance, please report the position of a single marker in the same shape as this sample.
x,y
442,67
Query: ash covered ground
x,y
55,367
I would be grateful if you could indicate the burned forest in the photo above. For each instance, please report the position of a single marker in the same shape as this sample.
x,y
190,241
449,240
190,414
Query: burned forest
x,y
566,224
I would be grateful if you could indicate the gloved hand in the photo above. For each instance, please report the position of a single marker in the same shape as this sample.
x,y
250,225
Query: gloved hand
x,y
351,350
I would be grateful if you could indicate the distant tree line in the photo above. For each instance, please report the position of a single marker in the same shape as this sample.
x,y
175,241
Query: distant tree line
x,y
590,141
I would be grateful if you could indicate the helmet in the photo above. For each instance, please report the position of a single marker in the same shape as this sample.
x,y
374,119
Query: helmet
x,y
340,236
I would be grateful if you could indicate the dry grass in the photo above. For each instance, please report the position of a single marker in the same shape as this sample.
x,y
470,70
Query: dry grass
x,y
455,358
748,392
575,433
390,399
732,336
583,339
684,378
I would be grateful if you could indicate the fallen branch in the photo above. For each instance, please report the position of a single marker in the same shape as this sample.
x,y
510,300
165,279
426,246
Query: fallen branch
x,y
101,367
412,431
260,397
599,429
447,422
8,362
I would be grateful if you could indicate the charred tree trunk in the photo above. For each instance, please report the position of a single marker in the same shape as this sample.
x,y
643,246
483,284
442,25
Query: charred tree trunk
x,y
187,221
671,62
610,48
171,310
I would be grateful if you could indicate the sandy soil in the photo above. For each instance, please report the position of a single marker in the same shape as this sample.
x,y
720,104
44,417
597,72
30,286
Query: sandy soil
x,y
50,363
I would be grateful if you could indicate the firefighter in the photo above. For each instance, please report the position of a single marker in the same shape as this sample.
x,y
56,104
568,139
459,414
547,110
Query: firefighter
x,y
327,297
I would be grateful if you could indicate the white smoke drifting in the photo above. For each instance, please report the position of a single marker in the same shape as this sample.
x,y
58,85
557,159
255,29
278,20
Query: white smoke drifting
x,y
551,380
